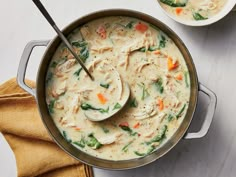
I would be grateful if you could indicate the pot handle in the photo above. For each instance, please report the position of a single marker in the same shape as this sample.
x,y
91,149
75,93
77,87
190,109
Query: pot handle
x,y
23,64
209,116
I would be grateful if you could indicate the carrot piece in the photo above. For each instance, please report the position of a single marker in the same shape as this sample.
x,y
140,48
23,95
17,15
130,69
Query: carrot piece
x,y
124,124
141,27
178,10
160,104
77,128
171,65
157,52
136,125
102,32
179,77
101,98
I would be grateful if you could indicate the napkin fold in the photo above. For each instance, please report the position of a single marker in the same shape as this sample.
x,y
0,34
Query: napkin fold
x,y
36,153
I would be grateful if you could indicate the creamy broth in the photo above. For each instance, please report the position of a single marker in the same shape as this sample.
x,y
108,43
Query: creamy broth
x,y
193,9
118,50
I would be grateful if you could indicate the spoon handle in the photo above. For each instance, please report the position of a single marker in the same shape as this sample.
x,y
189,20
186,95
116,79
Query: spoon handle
x,y
60,34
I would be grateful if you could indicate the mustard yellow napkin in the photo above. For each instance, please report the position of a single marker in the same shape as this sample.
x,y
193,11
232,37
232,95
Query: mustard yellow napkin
x,y
36,154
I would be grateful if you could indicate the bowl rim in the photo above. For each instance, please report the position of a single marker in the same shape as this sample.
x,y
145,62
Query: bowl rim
x,y
229,6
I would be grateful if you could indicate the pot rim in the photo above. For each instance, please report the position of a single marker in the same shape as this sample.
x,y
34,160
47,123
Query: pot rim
x,y
86,158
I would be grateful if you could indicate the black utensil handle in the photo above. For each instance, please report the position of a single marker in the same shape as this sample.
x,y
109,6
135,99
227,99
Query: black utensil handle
x,y
44,11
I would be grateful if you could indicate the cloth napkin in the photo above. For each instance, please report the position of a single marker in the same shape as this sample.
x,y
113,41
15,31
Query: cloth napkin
x,y
36,153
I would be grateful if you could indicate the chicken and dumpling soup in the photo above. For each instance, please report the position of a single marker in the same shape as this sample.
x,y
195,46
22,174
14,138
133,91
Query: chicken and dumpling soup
x,y
193,10
118,50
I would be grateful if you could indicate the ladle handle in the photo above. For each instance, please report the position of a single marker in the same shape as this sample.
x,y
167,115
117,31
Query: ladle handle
x,y
44,12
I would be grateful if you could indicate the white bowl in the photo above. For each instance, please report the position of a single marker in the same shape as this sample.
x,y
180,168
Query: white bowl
x,y
230,5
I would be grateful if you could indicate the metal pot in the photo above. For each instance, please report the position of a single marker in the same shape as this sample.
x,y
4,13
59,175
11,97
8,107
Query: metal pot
x,y
39,94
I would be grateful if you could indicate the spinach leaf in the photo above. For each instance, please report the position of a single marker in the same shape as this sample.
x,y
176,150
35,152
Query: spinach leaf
x,y
86,106
197,16
186,75
173,3
93,142
130,24
79,43
145,92
162,40
49,77
77,73
170,117
105,130
65,136
51,106
116,106
159,86
128,129
125,148
54,64
149,151
181,111
133,103
160,136
80,143
84,53
105,85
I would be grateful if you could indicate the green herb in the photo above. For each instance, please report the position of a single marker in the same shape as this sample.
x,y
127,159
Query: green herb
x,y
145,93
49,77
160,136
149,151
181,111
86,106
159,86
79,43
84,53
54,64
197,16
186,79
133,103
93,142
173,3
51,106
77,73
105,130
130,25
80,143
151,48
104,85
170,117
65,136
162,40
128,129
125,148
117,106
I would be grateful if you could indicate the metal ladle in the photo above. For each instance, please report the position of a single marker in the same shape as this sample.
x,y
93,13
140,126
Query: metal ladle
x,y
60,34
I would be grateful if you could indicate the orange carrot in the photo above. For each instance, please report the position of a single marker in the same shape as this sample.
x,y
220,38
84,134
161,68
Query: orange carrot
x,y
178,10
102,32
157,52
141,27
171,65
179,77
136,125
101,98
161,104
77,128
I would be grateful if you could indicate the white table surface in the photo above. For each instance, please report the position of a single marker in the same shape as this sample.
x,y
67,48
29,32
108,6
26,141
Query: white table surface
x,y
214,52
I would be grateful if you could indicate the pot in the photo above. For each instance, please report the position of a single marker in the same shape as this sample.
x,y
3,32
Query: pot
x,y
229,6
39,94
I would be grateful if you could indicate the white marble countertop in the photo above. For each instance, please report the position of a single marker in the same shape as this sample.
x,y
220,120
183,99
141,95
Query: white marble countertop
x,y
214,52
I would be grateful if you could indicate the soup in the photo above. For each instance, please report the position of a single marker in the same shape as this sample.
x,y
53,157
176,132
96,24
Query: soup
x,y
193,10
117,51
